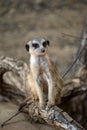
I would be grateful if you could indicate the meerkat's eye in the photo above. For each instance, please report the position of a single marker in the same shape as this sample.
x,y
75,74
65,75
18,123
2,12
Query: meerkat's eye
x,y
44,43
35,45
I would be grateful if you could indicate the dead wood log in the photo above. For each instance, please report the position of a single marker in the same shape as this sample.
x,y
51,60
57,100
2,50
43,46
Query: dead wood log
x,y
11,78
77,103
12,73
56,117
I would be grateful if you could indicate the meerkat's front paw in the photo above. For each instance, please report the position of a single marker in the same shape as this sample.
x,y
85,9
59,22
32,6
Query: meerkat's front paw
x,y
42,105
50,104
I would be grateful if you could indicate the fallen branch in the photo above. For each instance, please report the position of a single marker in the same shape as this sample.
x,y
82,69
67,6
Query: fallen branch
x,y
54,116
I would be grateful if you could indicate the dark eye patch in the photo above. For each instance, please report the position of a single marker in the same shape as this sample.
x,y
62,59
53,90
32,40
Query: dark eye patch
x,y
48,42
27,47
44,43
35,45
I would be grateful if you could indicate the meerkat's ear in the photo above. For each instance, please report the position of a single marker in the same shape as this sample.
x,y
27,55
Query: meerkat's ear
x,y
48,42
27,47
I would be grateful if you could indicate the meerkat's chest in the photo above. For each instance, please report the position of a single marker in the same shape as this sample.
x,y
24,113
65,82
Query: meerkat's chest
x,y
39,63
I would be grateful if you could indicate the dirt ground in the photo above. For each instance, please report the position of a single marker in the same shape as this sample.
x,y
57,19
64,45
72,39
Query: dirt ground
x,y
17,28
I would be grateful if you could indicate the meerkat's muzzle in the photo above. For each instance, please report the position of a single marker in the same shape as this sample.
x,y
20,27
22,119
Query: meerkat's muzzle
x,y
42,53
42,50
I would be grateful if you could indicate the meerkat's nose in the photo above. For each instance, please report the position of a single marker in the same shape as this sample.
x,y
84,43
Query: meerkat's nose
x,y
42,50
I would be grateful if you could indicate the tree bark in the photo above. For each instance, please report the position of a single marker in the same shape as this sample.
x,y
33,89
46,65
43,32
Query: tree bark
x,y
12,76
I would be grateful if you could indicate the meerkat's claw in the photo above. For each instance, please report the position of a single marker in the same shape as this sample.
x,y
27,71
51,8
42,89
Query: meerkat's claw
x,y
43,106
49,106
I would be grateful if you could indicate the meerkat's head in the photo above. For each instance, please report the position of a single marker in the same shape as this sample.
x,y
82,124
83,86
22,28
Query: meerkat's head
x,y
37,47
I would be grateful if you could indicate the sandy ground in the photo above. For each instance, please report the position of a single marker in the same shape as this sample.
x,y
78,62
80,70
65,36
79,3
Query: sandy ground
x,y
17,28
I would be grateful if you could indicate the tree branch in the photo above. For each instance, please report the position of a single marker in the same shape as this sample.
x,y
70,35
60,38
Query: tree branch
x,y
14,87
56,117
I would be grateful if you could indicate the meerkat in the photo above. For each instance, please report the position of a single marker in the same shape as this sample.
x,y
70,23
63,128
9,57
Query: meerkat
x,y
44,80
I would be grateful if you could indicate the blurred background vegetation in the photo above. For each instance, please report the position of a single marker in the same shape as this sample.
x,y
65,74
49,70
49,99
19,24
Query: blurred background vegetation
x,y
22,20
